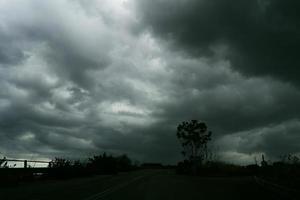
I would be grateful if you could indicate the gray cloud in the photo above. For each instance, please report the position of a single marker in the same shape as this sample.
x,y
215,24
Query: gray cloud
x,y
83,81
261,36
274,141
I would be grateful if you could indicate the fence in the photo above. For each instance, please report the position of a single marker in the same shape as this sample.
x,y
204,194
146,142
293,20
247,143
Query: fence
x,y
25,161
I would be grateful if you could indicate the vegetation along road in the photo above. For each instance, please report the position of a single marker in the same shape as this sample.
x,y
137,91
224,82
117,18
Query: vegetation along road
x,y
139,185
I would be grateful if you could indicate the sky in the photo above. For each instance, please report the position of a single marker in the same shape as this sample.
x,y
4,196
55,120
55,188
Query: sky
x,y
82,77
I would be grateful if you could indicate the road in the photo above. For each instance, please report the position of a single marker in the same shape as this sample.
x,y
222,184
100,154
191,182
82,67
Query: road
x,y
141,185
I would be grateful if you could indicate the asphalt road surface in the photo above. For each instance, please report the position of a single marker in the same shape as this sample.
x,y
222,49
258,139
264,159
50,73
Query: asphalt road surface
x,y
141,185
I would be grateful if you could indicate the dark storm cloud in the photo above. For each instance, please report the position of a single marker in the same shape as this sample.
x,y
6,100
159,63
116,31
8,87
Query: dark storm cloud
x,y
274,141
67,94
10,52
262,36
152,143
83,81
213,92
63,40
231,104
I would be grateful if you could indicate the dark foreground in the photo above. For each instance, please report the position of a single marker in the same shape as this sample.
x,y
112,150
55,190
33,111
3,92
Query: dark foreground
x,y
140,185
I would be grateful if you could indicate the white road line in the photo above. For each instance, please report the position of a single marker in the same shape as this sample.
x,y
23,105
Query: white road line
x,y
274,185
108,191
286,193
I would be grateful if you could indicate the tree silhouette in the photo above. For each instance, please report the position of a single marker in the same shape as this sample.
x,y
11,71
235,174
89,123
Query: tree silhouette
x,y
60,163
194,136
124,163
103,164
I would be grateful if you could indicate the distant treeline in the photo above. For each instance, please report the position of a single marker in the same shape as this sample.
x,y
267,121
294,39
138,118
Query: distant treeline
x,y
99,164
285,172
67,168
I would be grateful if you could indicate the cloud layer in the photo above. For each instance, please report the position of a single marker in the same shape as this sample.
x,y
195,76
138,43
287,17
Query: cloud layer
x,y
261,36
82,77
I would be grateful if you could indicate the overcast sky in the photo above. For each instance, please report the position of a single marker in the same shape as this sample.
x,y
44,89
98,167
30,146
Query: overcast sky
x,y
80,77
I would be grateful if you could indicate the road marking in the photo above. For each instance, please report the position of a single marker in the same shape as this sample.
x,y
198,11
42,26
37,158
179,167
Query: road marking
x,y
108,191
286,193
